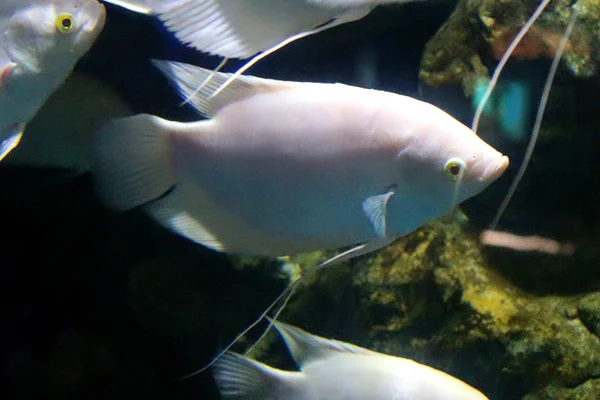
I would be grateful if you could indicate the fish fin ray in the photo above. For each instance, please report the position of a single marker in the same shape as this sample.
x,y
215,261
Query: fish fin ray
x,y
239,377
170,212
190,212
375,207
287,294
240,28
348,16
188,78
7,145
306,347
130,161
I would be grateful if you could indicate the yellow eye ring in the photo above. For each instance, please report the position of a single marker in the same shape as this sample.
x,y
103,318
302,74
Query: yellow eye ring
x,y
65,23
455,167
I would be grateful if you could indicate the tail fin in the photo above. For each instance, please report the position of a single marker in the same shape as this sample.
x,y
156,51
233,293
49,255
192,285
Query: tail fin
x,y
239,377
130,161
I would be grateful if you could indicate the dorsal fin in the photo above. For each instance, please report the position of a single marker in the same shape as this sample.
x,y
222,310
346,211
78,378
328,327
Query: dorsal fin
x,y
188,78
306,347
242,28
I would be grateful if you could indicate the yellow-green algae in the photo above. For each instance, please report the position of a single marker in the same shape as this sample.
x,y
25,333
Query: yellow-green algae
x,y
433,297
465,44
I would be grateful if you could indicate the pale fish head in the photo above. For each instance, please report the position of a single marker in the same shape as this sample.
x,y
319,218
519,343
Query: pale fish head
x,y
441,163
52,35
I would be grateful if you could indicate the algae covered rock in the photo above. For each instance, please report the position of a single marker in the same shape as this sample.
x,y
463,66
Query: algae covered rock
x,y
480,31
586,391
433,297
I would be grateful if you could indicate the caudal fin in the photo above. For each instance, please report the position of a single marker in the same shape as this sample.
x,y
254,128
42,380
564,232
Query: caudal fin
x,y
239,377
130,161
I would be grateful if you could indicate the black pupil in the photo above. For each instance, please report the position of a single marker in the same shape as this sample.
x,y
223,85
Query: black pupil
x,y
454,170
66,23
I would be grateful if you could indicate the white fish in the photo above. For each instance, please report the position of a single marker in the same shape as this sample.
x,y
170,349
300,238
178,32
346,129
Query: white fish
x,y
334,370
40,43
242,28
288,167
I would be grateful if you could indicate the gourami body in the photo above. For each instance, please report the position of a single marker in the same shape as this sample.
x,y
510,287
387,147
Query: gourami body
x,y
335,370
40,43
289,167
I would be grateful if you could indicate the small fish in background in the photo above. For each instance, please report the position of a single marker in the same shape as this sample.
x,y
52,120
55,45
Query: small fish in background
x,y
284,168
40,43
335,370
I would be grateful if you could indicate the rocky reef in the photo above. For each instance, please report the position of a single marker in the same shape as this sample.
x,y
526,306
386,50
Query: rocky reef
x,y
479,32
435,297
110,305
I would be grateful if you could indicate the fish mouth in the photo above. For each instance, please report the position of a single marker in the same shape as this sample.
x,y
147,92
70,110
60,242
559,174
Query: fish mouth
x,y
96,14
491,174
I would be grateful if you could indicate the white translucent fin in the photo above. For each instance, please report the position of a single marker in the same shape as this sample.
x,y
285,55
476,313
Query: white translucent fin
x,y
138,6
351,15
306,347
286,295
375,207
240,28
130,161
239,377
191,212
188,78
538,118
7,145
492,84
170,211
190,96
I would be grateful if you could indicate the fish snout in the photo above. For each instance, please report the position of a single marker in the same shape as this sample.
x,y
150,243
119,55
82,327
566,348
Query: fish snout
x,y
95,15
493,172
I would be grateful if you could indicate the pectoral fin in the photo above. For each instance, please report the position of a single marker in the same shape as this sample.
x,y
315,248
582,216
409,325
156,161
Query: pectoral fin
x,y
375,207
359,250
8,144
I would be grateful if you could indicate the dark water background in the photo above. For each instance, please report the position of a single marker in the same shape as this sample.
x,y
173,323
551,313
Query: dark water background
x,y
69,326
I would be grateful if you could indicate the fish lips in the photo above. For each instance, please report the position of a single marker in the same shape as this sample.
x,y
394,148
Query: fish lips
x,y
96,17
492,173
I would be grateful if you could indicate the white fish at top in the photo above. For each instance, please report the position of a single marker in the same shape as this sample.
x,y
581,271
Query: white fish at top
x,y
335,370
242,28
40,43
283,167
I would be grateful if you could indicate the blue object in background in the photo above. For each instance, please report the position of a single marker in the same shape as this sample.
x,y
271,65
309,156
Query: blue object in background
x,y
509,105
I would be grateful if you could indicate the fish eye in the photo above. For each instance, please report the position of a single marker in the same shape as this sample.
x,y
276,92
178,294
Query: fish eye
x,y
65,23
454,168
